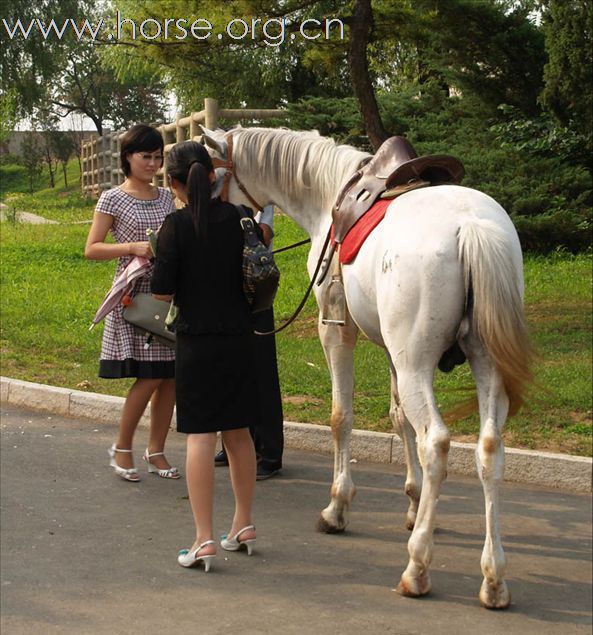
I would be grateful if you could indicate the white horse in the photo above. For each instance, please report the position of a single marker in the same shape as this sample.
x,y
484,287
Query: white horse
x,y
443,266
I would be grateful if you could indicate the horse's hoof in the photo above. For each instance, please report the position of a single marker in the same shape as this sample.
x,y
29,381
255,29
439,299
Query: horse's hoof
x,y
325,527
414,587
495,596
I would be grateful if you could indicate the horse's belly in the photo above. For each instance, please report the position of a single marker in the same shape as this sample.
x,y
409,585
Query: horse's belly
x,y
361,291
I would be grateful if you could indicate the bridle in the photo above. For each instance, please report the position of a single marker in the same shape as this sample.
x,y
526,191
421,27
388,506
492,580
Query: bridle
x,y
231,172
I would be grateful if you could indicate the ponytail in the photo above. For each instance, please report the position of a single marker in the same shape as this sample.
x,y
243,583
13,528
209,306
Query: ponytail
x,y
198,197
190,164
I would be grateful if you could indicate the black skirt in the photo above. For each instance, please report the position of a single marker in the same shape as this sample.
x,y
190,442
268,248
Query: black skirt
x,y
117,369
213,382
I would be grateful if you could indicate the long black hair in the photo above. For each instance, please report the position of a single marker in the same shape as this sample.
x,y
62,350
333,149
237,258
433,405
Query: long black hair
x,y
190,164
139,138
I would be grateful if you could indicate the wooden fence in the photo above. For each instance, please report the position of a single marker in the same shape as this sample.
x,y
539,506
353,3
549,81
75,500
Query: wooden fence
x,y
100,157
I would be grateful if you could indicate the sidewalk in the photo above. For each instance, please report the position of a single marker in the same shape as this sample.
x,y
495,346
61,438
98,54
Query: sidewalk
x,y
547,469
84,552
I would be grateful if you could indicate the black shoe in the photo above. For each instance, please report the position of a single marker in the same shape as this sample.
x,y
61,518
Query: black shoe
x,y
264,472
221,459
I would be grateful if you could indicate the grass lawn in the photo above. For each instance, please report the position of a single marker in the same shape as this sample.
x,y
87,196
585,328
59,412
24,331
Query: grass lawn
x,y
49,295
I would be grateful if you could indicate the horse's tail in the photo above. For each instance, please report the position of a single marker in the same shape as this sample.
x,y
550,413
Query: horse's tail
x,y
492,285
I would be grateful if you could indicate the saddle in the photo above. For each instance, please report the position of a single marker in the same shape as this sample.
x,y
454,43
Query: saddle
x,y
394,169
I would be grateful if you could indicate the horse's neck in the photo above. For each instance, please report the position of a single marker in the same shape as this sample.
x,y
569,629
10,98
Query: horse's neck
x,y
304,177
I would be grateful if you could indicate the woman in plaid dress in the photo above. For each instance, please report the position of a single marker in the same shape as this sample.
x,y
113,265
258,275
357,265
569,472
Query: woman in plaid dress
x,y
128,211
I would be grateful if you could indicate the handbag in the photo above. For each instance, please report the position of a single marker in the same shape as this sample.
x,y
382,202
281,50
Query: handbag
x,y
260,273
152,318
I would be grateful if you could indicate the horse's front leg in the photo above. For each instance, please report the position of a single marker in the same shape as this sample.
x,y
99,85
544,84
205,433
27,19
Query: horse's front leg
x,y
338,345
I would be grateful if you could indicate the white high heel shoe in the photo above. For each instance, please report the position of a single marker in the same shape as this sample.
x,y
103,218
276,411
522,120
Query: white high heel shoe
x,y
187,558
130,474
171,472
234,544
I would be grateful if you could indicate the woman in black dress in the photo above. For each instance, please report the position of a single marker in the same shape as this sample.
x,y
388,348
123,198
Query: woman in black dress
x,y
199,263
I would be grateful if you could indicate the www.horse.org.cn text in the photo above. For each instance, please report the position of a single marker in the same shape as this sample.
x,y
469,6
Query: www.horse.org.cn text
x,y
270,31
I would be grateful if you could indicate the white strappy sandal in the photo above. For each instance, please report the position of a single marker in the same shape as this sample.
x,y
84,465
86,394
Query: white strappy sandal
x,y
130,474
188,558
234,544
171,472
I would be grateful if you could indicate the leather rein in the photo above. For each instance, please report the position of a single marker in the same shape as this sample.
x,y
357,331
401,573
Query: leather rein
x,y
231,172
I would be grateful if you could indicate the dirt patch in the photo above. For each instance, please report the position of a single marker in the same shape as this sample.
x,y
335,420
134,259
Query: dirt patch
x,y
300,400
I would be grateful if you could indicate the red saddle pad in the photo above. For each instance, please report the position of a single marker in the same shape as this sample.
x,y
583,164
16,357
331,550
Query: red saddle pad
x,y
359,232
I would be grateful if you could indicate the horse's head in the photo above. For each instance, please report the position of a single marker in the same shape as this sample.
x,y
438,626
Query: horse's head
x,y
217,147
216,142
234,184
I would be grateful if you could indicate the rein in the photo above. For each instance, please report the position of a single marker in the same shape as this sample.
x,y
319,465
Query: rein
x,y
232,172
294,316
299,244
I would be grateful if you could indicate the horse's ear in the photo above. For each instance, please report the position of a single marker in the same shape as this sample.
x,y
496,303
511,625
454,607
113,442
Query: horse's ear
x,y
209,137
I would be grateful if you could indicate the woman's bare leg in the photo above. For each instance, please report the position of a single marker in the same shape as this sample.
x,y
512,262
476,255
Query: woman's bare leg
x,y
242,466
161,412
200,485
134,407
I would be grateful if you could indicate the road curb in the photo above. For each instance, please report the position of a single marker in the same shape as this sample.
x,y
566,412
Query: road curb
x,y
547,469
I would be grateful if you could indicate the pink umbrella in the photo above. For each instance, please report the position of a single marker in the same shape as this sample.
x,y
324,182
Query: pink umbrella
x,y
121,287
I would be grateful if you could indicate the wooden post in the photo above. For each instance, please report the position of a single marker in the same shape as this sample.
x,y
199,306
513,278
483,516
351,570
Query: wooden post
x,y
194,130
83,168
94,167
114,163
211,108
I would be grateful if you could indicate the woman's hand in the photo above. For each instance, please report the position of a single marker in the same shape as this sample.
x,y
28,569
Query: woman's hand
x,y
97,249
142,249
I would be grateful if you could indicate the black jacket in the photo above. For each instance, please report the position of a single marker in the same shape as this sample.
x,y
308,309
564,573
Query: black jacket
x,y
206,275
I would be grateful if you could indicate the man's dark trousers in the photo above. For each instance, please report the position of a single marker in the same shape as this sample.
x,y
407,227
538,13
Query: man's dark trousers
x,y
269,432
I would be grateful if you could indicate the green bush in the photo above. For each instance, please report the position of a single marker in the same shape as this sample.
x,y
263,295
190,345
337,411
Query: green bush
x,y
12,178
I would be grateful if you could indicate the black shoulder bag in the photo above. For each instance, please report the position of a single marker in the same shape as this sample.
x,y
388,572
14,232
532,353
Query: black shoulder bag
x,y
260,273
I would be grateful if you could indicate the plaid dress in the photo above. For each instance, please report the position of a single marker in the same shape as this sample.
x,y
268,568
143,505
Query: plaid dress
x,y
123,353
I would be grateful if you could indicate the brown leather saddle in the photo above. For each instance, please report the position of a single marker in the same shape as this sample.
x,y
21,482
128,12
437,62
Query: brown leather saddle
x,y
395,168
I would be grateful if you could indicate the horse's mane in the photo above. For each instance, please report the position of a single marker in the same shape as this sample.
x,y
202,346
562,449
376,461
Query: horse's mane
x,y
303,164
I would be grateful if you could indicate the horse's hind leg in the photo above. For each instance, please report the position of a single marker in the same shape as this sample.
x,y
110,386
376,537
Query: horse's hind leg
x,y
406,433
493,403
417,398
338,345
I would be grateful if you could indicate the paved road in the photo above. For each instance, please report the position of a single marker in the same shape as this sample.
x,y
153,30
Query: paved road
x,y
84,552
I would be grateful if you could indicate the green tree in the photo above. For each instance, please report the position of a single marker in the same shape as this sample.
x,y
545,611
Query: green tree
x,y
32,154
65,72
489,48
88,86
63,146
568,91
46,121
8,116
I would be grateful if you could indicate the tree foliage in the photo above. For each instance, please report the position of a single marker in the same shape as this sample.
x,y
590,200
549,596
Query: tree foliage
x,y
66,74
568,92
8,116
32,154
